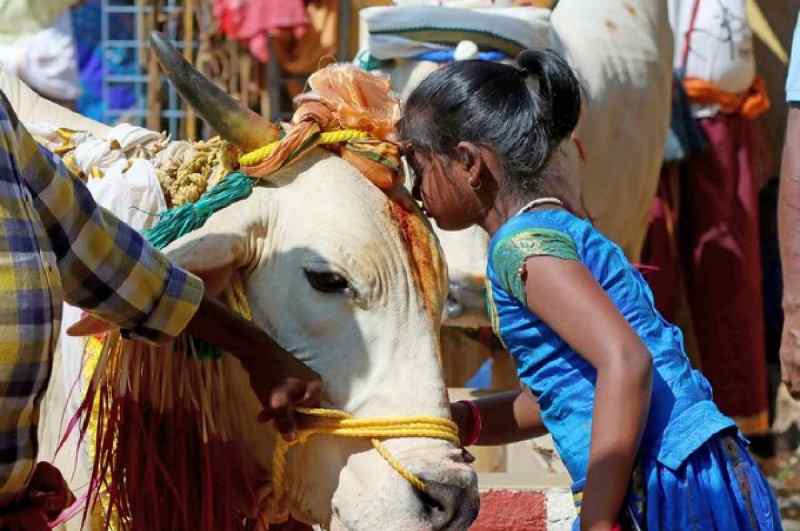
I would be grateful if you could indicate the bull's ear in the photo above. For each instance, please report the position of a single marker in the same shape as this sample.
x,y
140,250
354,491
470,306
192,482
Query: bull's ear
x,y
221,246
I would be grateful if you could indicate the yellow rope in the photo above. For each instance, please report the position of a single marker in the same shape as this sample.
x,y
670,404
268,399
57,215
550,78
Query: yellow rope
x,y
342,424
329,137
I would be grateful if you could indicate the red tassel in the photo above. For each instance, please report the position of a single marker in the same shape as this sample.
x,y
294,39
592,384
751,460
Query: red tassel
x,y
153,467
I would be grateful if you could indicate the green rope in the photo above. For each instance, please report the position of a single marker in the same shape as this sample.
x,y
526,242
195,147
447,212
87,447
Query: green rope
x,y
181,220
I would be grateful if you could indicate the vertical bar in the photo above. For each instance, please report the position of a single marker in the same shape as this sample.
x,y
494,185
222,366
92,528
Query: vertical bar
x,y
103,52
142,52
234,87
141,33
266,91
172,98
188,44
345,23
274,83
245,67
153,78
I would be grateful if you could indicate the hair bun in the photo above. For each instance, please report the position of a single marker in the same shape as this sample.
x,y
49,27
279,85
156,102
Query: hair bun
x,y
558,86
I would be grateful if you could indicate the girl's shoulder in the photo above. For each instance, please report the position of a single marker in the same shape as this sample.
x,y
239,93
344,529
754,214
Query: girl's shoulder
x,y
554,233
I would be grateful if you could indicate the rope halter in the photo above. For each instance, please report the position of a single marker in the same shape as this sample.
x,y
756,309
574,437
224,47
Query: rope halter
x,y
338,423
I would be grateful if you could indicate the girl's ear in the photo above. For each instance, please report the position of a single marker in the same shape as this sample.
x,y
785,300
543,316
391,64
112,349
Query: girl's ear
x,y
469,155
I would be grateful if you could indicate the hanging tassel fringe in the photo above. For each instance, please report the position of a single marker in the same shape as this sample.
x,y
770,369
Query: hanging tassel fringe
x,y
166,455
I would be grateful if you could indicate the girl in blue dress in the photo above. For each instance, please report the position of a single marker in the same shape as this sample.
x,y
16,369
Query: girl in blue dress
x,y
602,371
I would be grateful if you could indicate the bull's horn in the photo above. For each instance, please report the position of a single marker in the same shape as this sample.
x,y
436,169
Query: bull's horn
x,y
233,121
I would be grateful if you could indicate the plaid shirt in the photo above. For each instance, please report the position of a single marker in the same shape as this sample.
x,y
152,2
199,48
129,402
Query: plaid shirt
x,y
57,244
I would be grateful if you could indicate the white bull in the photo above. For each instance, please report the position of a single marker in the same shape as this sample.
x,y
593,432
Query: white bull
x,y
344,293
352,284
622,51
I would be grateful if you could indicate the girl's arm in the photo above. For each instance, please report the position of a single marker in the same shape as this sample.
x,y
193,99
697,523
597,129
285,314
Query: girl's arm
x,y
565,295
506,418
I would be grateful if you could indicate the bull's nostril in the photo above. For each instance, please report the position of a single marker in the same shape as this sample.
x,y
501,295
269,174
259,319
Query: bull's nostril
x,y
449,507
430,503
439,503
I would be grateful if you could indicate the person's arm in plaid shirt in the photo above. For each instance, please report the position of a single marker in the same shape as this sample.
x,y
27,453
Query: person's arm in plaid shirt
x,y
108,268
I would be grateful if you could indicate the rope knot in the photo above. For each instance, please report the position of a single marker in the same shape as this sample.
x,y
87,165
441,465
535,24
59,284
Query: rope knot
x,y
316,112
349,111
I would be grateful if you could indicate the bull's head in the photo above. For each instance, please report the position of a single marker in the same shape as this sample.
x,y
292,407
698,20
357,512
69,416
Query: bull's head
x,y
353,285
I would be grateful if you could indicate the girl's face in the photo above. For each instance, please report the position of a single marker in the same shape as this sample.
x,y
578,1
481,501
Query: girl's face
x,y
443,185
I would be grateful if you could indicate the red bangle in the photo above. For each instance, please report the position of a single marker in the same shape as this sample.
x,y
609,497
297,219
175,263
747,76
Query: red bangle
x,y
477,425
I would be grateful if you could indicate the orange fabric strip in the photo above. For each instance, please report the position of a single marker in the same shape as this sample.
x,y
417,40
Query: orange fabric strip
x,y
344,97
751,104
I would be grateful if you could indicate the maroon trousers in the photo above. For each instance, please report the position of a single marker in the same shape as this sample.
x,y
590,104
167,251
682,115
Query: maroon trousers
x,y
708,237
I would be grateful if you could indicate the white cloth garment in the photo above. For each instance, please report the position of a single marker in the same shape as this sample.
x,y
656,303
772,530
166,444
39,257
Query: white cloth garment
x,y
720,45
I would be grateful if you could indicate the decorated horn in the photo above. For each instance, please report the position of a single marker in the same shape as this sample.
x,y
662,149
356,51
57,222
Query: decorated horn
x,y
233,121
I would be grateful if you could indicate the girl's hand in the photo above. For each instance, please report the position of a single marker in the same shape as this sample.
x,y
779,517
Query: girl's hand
x,y
462,416
505,418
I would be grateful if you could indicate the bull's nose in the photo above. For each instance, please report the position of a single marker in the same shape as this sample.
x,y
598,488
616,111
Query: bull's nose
x,y
450,507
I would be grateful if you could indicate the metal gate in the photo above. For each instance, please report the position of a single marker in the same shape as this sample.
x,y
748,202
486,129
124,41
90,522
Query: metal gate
x,y
127,66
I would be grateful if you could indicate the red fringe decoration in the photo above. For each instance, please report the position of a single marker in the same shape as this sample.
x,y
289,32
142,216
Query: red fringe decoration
x,y
164,458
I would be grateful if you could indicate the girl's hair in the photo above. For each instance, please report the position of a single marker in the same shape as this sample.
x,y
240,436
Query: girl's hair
x,y
490,104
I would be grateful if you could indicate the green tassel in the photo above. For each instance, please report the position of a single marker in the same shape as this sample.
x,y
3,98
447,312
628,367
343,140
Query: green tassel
x,y
181,220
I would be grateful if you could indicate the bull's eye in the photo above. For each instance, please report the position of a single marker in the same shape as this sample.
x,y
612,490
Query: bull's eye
x,y
328,282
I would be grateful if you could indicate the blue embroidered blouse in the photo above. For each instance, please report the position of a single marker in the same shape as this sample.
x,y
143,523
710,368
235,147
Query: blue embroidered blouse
x,y
682,414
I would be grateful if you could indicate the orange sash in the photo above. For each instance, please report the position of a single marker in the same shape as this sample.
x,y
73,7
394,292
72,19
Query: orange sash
x,y
751,104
